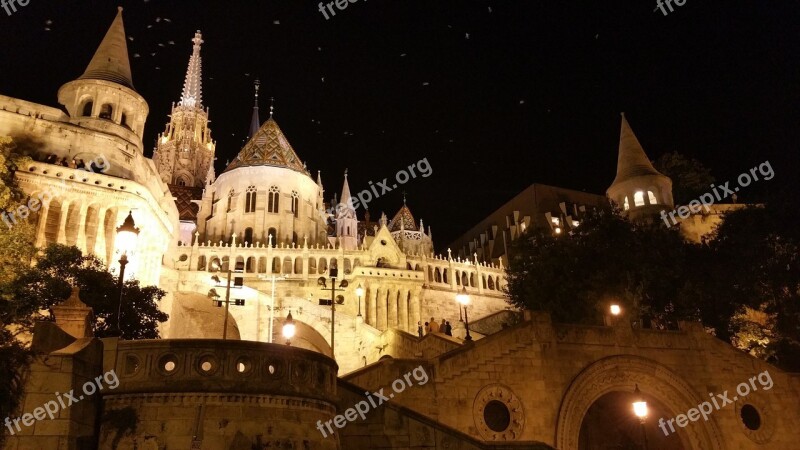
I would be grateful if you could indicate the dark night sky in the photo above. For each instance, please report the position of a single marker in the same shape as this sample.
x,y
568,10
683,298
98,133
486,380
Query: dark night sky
x,y
533,95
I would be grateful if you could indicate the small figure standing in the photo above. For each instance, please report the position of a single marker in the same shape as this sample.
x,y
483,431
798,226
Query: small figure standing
x,y
427,328
434,326
448,330
419,329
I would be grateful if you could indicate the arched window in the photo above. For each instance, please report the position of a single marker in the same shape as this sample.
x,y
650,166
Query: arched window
x,y
87,109
625,205
124,121
106,111
651,197
181,182
638,198
230,200
248,235
250,200
295,203
274,234
274,199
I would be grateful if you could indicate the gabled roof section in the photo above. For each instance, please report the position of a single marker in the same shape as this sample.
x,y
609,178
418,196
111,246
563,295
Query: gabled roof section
x,y
269,147
110,61
632,161
405,217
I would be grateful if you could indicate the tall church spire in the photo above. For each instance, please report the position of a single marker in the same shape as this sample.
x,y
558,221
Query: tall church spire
x,y
110,61
255,122
193,86
346,197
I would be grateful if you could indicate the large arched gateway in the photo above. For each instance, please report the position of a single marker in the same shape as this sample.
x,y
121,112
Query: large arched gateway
x,y
600,395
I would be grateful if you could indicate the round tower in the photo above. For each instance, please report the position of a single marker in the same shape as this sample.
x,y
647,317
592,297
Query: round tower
x,y
639,190
103,98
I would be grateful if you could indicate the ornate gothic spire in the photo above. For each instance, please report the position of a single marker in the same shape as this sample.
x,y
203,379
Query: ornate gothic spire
x,y
193,86
346,197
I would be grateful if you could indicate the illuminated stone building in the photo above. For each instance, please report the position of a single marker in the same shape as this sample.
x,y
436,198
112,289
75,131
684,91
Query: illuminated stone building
x,y
522,382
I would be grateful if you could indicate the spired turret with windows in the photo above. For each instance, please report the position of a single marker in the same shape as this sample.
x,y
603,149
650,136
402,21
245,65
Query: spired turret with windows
x,y
103,98
639,189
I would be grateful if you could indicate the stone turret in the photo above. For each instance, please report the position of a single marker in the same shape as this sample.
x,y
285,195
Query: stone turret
x,y
639,189
103,98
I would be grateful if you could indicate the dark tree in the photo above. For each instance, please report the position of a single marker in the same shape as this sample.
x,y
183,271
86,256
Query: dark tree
x,y
690,179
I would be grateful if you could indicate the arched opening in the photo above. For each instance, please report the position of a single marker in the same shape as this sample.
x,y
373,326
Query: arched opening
x,y
651,198
53,220
472,280
312,266
323,265
214,265
298,265
262,264
491,283
201,262
248,236
250,267
276,265
610,423
124,121
106,111
92,220
464,281
272,236
444,276
437,276
87,109
347,267
287,266
638,198
225,263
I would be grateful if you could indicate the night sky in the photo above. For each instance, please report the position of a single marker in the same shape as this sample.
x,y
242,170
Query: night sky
x,y
496,94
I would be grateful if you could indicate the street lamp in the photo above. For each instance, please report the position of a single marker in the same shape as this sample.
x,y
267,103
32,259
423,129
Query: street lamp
x,y
127,235
640,410
333,272
359,294
274,279
289,329
615,310
463,299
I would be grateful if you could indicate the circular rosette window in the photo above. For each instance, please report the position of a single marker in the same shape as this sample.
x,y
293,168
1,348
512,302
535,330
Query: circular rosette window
x,y
755,417
498,413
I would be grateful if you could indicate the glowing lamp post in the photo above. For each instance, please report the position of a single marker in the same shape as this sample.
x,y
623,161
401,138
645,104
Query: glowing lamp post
x,y
640,411
127,235
463,299
289,328
359,294
615,310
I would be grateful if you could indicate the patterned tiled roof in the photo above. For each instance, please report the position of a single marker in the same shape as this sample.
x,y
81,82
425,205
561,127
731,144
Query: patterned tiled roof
x,y
268,147
407,219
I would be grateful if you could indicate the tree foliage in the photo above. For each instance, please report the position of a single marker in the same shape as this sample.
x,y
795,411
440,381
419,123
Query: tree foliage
x,y
607,259
690,179
743,283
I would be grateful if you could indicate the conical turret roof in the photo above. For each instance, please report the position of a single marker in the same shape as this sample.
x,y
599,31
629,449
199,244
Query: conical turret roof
x,y
268,147
110,61
632,161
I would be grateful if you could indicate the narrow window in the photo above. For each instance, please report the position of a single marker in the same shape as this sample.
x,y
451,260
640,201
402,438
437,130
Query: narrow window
x,y
250,200
106,111
625,205
87,109
230,200
273,199
651,197
638,198
295,203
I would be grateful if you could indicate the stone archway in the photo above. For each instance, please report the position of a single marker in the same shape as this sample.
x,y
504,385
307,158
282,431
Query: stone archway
x,y
306,336
620,374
